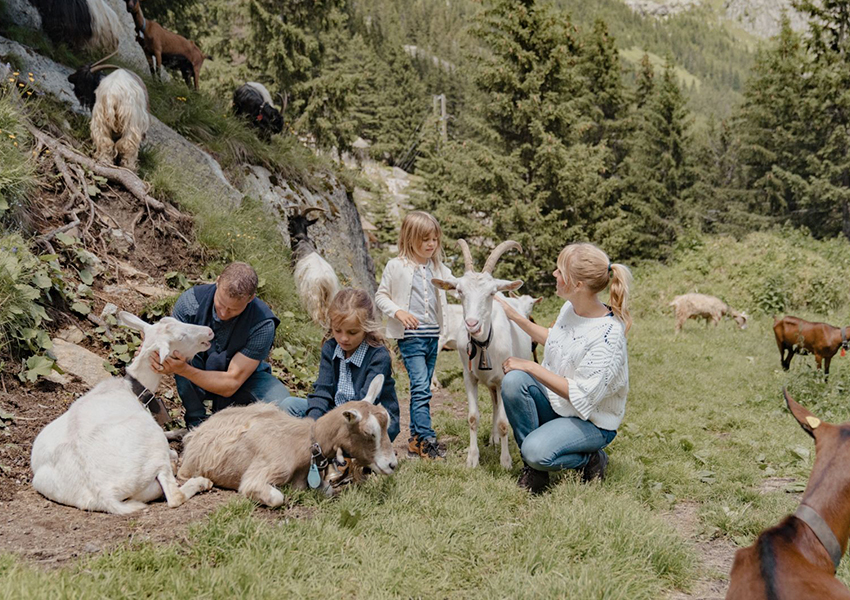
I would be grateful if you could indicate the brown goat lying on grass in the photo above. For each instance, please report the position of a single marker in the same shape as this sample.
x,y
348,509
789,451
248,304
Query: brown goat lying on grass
x,y
795,335
255,448
701,306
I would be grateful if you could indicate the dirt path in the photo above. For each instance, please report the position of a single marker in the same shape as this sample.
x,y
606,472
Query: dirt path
x,y
715,555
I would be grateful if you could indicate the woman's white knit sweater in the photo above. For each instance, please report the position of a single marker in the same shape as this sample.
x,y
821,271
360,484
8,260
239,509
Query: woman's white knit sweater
x,y
591,354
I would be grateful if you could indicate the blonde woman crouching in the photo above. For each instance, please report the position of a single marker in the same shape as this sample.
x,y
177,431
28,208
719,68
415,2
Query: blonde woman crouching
x,y
565,410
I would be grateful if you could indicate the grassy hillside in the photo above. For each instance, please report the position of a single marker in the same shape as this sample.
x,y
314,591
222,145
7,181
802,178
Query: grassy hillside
x,y
705,428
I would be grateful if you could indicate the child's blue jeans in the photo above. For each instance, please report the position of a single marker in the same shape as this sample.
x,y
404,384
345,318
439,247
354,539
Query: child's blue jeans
x,y
546,440
419,355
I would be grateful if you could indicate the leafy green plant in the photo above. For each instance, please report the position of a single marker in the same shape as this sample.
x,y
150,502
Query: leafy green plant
x,y
25,283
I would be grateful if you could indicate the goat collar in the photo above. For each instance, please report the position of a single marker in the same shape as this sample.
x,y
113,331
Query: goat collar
x,y
333,470
827,538
148,400
474,346
844,341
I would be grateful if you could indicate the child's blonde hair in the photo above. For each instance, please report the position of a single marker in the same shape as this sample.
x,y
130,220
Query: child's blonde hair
x,y
352,301
415,227
588,263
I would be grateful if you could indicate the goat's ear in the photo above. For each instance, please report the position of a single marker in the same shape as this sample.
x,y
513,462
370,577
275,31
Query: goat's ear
x,y
132,321
805,418
375,389
503,285
538,300
352,415
444,284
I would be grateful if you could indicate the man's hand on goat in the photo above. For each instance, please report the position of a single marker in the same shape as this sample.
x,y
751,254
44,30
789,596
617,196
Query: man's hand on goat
x,y
407,319
518,364
175,364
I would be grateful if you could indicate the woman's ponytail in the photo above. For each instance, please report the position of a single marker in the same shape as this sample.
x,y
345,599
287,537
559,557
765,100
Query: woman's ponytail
x,y
621,283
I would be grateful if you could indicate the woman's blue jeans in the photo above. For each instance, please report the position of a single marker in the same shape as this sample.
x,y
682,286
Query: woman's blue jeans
x,y
548,441
419,355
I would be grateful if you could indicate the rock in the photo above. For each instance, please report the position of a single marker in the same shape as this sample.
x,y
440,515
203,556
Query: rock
x,y
116,289
23,14
121,241
338,236
763,17
129,270
72,334
661,10
91,548
78,361
58,378
109,309
153,291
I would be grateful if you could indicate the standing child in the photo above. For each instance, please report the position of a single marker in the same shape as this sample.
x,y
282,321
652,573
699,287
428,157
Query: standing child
x,y
415,309
354,355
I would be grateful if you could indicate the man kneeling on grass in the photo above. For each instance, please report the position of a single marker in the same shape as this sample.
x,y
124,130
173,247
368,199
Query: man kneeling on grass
x,y
233,371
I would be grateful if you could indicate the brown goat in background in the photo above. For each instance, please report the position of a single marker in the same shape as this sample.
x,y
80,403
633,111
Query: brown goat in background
x,y
165,48
795,335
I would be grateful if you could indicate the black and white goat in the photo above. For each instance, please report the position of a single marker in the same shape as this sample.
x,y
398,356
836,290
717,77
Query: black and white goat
x,y
90,24
253,99
119,105
315,278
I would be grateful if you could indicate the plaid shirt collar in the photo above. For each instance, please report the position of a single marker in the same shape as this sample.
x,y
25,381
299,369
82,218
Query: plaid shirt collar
x,y
356,358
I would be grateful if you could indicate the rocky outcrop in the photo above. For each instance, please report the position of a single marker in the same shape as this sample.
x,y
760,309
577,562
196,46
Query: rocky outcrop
x,y
762,17
338,236
648,8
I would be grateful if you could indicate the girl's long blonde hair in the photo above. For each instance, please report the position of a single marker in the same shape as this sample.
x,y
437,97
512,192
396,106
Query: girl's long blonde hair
x,y
352,301
588,263
415,227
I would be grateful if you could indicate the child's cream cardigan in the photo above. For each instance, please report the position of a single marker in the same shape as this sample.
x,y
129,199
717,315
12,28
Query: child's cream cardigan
x,y
394,293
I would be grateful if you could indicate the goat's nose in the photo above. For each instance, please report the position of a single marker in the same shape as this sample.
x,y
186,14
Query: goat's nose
x,y
472,323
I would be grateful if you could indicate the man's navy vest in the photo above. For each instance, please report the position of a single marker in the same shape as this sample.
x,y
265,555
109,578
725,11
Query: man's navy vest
x,y
255,313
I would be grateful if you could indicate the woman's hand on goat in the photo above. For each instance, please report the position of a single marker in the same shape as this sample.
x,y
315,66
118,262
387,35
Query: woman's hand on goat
x,y
518,364
174,364
407,319
512,313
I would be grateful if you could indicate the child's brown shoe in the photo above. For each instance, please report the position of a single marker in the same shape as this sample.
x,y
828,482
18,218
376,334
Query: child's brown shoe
x,y
414,447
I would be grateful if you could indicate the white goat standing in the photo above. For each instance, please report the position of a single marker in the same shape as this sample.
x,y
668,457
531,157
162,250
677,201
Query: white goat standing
x,y
106,452
120,119
492,337
258,447
315,278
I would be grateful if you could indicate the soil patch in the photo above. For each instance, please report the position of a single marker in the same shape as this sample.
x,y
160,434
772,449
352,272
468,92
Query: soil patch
x,y
716,555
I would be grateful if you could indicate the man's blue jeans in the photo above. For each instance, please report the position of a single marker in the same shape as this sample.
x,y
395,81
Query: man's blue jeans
x,y
548,441
261,386
419,355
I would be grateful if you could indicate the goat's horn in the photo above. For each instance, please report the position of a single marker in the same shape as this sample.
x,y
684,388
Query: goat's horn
x,y
496,254
99,67
307,211
105,58
467,256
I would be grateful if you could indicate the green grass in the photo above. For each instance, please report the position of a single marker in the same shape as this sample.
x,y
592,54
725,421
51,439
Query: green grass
x,y
705,423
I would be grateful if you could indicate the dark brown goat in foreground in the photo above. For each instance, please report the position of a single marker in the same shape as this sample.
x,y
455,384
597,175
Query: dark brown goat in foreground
x,y
802,337
797,559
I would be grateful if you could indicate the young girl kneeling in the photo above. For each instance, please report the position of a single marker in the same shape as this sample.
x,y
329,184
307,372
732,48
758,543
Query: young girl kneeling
x,y
354,355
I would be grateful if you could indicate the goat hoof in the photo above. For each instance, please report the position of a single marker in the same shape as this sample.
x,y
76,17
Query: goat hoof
x,y
472,461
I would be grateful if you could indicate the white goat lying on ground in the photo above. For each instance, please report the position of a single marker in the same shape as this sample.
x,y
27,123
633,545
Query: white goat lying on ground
x,y
696,306
106,452
255,448
495,338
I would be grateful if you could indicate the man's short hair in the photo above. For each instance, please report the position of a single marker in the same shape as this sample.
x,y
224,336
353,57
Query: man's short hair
x,y
238,280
